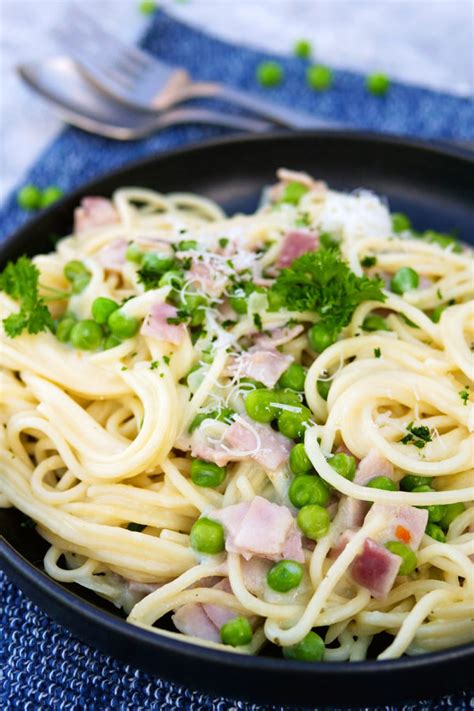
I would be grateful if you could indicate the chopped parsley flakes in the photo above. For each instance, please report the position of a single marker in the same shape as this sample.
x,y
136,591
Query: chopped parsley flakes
x,y
418,436
377,352
464,395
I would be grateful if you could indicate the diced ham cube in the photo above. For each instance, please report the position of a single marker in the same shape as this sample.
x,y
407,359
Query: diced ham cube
x,y
265,530
94,212
112,256
375,569
404,523
295,244
264,365
351,512
372,465
254,573
191,619
219,614
267,447
156,324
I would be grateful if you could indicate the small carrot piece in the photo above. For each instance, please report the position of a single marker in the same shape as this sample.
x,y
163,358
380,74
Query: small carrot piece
x,y
403,534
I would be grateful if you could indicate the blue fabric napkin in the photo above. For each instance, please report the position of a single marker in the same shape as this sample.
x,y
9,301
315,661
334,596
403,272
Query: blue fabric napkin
x,y
41,665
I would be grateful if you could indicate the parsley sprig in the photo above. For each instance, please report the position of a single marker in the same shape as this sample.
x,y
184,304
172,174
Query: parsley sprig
x,y
20,281
322,282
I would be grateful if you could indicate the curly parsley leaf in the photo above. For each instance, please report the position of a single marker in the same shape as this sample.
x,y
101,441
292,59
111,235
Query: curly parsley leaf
x,y
20,281
322,282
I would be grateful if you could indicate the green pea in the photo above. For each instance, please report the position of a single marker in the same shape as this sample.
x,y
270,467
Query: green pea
x,y
374,322
288,397
102,308
299,461
344,464
409,561
29,197
320,337
442,240
310,649
410,481
236,632
308,489
382,482
172,278
86,335
436,313
294,424
207,474
260,405
285,575
436,532
123,326
293,193
207,536
275,300
323,387
435,511
64,328
269,74
134,253
78,275
405,279
223,415
50,195
157,262
302,49
187,244
400,222
293,377
147,7
313,520
451,511
251,382
319,77
377,84
195,304
111,342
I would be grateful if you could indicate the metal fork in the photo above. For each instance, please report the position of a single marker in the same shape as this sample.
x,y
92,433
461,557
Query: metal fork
x,y
141,81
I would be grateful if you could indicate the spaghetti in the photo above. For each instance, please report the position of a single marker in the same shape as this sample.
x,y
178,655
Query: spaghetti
x,y
261,424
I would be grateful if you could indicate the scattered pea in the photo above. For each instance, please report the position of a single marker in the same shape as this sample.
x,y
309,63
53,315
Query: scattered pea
x,y
123,326
77,274
270,74
207,536
236,632
29,197
400,222
320,337
293,378
293,424
102,308
435,511
293,193
310,649
308,489
111,342
285,575
86,335
405,279
319,77
50,195
382,482
323,387
64,328
411,481
313,521
409,561
302,49
451,511
377,84
207,474
374,322
134,253
299,460
436,532
344,464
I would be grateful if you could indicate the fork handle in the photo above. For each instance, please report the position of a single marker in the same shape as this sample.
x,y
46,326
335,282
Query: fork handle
x,y
267,109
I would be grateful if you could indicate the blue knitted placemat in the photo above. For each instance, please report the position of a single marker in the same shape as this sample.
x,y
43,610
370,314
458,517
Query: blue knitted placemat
x,y
41,665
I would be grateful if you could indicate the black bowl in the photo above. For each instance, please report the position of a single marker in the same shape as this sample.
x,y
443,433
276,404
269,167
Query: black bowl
x,y
436,188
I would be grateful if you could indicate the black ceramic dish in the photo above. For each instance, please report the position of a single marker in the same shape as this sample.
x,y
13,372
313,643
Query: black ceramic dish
x,y
436,188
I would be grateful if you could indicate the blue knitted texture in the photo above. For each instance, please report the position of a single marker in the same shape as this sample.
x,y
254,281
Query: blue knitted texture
x,y
41,665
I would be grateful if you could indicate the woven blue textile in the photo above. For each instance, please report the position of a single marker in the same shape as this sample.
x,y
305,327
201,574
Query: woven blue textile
x,y
41,665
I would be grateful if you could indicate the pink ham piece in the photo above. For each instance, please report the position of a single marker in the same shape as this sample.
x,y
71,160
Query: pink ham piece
x,y
209,280
254,573
351,512
278,337
191,619
372,465
112,256
264,365
296,243
156,324
218,614
94,212
375,569
244,435
135,586
404,523
260,529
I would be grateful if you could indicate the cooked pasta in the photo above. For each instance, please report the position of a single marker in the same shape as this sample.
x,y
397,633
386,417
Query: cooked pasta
x,y
260,424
